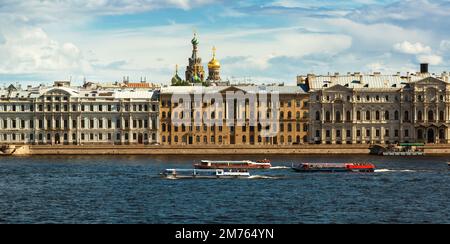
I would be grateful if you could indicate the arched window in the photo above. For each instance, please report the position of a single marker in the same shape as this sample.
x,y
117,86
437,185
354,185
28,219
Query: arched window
x,y
289,115
358,115
441,116
281,115
396,115
327,116
317,115
386,115
338,116
367,115
406,116
175,139
349,115
419,134
419,116
377,115
298,115
163,127
430,115
244,139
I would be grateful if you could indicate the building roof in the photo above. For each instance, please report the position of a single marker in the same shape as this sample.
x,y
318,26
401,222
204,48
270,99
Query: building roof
x,y
248,89
368,81
80,92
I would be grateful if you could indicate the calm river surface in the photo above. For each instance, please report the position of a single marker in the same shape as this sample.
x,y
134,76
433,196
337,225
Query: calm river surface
x,y
106,189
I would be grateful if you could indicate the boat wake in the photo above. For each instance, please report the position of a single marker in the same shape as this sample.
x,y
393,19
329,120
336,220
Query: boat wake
x,y
393,170
263,177
280,167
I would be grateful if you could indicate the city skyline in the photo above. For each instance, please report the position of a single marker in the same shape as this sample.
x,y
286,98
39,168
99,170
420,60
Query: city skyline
x,y
270,41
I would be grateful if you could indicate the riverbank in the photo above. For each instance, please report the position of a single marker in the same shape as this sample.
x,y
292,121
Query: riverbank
x,y
208,150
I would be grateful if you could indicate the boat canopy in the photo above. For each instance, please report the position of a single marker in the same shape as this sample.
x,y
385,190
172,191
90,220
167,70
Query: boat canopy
x,y
193,170
226,162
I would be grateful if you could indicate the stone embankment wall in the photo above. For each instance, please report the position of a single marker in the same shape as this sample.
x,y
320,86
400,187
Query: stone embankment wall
x,y
207,150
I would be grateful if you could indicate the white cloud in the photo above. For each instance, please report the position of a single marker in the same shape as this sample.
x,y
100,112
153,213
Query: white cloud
x,y
30,50
432,59
62,9
445,45
412,48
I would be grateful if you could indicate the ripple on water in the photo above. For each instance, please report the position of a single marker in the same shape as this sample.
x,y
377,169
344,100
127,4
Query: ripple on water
x,y
129,190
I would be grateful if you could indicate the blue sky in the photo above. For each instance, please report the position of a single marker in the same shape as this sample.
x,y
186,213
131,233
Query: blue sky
x,y
263,41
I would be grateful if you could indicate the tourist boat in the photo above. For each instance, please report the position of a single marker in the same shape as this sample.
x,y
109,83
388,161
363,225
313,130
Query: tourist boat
x,y
337,167
245,164
405,149
204,174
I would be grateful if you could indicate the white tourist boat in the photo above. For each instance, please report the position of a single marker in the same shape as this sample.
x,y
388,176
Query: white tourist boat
x,y
204,174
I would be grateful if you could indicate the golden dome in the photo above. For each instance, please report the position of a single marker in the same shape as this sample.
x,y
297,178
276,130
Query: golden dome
x,y
214,63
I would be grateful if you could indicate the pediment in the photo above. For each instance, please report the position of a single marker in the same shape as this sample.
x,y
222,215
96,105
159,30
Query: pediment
x,y
429,81
59,91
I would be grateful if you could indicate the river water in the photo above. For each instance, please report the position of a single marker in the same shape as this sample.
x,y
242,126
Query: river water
x,y
127,189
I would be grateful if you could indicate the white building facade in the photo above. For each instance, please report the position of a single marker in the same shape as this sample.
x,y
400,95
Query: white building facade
x,y
74,115
379,109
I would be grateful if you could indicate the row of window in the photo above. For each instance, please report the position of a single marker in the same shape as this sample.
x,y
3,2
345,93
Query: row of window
x,y
83,137
368,116
298,103
89,124
212,139
359,133
298,128
377,98
76,108
165,115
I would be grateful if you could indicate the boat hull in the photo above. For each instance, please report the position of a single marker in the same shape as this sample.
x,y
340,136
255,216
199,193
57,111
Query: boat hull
x,y
333,170
344,167
403,154
205,177
199,166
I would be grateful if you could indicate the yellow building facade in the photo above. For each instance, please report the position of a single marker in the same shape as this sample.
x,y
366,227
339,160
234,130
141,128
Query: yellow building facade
x,y
251,115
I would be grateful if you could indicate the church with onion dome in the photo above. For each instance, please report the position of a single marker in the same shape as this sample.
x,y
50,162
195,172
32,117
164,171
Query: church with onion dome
x,y
195,73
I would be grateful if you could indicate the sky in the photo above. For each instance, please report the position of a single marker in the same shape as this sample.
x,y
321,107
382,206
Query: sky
x,y
262,41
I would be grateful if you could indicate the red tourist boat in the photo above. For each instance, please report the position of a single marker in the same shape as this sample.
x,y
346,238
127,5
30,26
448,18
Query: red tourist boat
x,y
338,167
245,164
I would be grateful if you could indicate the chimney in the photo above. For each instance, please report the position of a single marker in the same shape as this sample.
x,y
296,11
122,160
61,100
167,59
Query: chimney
x,y
424,68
